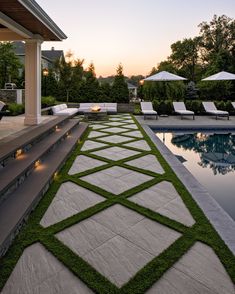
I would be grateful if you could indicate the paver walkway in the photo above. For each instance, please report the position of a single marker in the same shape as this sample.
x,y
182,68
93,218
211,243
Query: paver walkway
x,y
114,222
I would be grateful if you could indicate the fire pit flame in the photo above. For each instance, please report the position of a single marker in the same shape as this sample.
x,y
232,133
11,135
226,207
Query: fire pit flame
x,y
95,108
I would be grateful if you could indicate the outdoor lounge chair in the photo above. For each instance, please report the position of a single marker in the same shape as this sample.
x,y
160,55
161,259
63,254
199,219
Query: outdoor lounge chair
x,y
3,107
147,109
211,109
180,108
233,104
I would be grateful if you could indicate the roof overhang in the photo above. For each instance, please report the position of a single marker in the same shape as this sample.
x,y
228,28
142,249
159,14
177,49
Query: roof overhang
x,y
25,19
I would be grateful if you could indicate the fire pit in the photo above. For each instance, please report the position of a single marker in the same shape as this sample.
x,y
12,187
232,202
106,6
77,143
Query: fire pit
x,y
95,108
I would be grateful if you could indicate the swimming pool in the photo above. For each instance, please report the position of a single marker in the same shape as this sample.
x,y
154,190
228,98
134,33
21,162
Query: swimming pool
x,y
210,157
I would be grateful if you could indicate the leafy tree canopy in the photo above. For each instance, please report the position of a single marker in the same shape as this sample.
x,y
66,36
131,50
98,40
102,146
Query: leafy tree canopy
x,y
9,64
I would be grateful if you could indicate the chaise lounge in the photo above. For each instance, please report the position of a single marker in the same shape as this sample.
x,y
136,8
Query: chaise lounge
x,y
211,109
147,109
180,108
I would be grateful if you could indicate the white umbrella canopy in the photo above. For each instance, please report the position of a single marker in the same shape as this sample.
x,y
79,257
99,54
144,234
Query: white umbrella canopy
x,y
164,76
221,76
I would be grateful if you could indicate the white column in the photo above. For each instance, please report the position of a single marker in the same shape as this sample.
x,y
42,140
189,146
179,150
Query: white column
x,y
32,82
135,93
19,96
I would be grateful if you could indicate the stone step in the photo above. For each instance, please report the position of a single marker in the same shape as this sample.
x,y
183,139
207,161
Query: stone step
x,y
17,170
18,205
26,139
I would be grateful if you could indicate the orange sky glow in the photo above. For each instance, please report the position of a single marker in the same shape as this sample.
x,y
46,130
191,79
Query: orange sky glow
x,y
136,33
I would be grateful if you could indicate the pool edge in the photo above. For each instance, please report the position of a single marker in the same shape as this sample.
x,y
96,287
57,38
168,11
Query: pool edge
x,y
217,216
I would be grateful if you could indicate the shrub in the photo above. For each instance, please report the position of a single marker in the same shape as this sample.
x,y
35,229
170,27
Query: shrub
x,y
164,107
15,109
47,101
194,105
137,109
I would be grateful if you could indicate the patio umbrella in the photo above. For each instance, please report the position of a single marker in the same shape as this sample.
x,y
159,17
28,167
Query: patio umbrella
x,y
221,76
219,159
164,76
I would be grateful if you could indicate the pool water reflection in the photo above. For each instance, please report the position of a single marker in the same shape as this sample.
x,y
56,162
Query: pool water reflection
x,y
210,157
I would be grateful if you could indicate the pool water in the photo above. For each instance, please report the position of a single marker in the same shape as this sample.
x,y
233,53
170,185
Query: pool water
x,y
210,157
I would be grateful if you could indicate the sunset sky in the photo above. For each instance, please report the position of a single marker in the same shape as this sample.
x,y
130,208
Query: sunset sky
x,y
136,33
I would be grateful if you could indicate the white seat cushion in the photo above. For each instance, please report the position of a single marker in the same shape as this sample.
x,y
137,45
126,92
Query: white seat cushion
x,y
184,112
149,112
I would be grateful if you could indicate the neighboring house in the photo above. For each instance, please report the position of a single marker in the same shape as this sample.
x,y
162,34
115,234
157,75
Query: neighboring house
x,y
48,56
132,91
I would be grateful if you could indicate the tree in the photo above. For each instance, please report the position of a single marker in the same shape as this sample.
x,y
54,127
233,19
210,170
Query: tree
x,y
119,91
9,64
70,75
185,56
217,44
191,91
49,84
90,91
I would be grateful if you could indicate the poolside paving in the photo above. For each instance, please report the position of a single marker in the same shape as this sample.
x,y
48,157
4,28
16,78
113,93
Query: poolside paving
x,y
141,144
38,271
119,235
198,271
117,241
83,163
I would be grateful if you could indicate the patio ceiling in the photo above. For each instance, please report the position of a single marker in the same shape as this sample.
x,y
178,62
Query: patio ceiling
x,y
23,19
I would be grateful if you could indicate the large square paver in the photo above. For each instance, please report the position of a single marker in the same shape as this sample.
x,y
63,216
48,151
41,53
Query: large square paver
x,y
147,162
115,153
118,260
141,144
70,199
115,139
83,163
164,199
85,236
198,271
97,126
118,242
115,118
39,272
116,179
96,134
136,134
118,218
115,124
128,121
131,126
115,130
89,145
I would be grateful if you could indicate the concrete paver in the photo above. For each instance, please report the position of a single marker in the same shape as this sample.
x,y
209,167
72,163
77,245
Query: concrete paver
x,y
147,162
89,145
115,153
141,144
83,163
115,139
38,272
164,199
69,200
198,271
116,183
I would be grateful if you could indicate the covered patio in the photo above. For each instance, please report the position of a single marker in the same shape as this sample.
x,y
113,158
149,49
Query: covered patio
x,y
25,20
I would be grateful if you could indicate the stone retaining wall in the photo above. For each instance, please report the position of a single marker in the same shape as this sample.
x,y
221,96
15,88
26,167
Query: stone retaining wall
x,y
12,96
